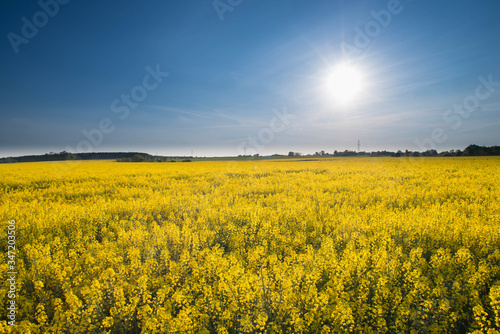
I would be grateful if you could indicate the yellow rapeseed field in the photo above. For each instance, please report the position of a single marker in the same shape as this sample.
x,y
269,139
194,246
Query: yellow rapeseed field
x,y
322,246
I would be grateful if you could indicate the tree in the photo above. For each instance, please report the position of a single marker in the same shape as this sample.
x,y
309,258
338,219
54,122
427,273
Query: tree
x,y
67,155
430,153
138,158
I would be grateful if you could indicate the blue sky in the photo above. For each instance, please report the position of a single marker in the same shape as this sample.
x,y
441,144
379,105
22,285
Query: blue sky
x,y
246,76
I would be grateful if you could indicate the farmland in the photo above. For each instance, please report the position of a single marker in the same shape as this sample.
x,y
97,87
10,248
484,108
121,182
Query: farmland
x,y
360,245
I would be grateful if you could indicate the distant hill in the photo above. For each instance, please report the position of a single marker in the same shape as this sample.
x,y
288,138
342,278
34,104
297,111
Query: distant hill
x,y
77,156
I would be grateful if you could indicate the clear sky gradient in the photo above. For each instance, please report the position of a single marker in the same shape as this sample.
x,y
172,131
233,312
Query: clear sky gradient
x,y
246,76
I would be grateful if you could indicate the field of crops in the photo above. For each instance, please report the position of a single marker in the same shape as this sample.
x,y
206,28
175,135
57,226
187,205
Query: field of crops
x,y
334,246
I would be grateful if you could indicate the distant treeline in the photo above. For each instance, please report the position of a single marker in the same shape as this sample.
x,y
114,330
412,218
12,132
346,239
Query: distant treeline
x,y
482,150
471,150
141,158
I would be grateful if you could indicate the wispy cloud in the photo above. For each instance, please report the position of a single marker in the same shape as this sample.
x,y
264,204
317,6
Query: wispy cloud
x,y
214,116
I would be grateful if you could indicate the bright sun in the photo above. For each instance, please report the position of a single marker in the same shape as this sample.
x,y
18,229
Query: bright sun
x,y
345,83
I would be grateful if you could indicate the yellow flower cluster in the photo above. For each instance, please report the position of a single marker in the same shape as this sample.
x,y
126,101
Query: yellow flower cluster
x,y
286,246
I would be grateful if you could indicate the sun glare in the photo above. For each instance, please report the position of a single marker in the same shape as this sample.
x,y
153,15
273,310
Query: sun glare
x,y
345,83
